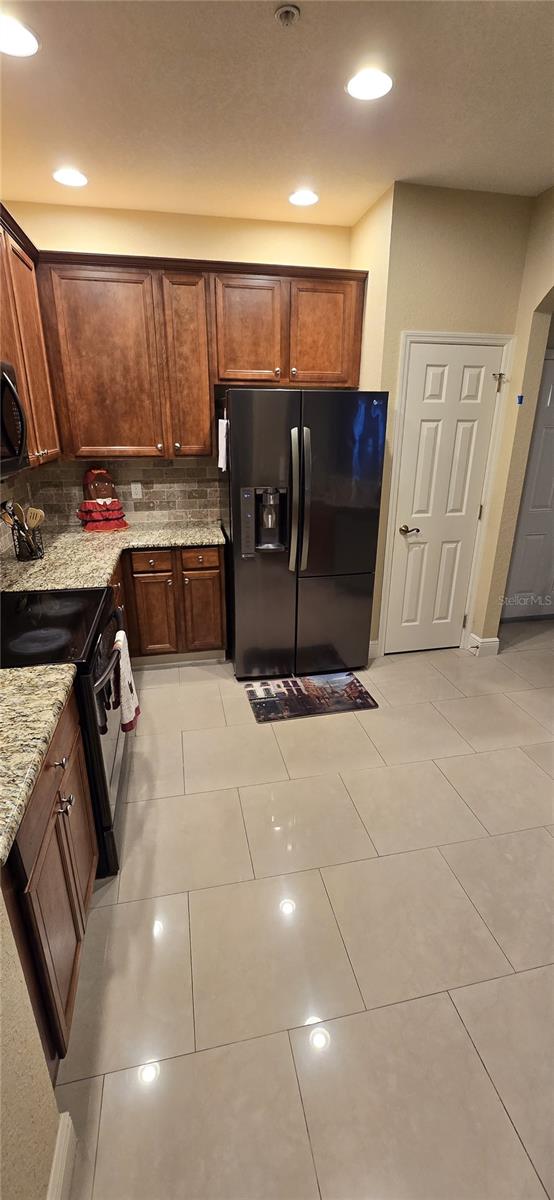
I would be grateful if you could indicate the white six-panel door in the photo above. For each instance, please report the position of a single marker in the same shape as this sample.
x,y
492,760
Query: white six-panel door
x,y
530,587
450,401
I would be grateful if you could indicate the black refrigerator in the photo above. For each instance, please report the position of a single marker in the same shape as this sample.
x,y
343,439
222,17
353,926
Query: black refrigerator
x,y
305,471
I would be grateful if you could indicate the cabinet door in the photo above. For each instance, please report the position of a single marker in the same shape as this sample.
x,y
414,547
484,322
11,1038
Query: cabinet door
x,y
188,378
75,798
56,925
249,319
324,341
156,616
203,610
107,344
10,345
43,433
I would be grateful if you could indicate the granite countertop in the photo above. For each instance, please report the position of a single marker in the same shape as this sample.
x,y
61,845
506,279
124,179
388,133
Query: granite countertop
x,y
75,559
31,700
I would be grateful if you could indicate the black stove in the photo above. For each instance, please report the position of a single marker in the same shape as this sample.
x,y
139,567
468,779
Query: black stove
x,y
51,627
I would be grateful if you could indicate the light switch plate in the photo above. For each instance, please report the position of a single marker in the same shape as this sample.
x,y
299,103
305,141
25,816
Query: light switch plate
x,y
136,491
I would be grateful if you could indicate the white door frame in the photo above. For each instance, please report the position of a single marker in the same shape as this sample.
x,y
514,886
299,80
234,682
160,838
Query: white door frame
x,y
407,340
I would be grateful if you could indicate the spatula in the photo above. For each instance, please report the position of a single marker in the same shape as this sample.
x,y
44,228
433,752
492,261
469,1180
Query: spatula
x,y
34,517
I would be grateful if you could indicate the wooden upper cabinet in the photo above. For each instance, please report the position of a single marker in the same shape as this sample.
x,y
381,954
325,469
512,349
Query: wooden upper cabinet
x,y
22,327
107,353
186,353
250,312
325,330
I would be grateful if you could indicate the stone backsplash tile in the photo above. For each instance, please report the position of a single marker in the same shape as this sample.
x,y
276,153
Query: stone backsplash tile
x,y
169,489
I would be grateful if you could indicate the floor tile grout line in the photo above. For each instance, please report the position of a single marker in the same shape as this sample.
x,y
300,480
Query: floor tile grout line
x,y
97,1136
360,1012
370,739
353,802
301,1098
254,876
512,696
191,973
462,798
472,902
319,867
336,920
491,1080
466,741
289,776
548,742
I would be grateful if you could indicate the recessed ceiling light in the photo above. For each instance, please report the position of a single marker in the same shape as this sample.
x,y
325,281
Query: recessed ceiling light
x,y
369,84
16,39
70,176
303,197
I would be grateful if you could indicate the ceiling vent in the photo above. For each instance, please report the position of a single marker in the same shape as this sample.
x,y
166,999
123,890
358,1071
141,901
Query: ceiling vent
x,y
287,15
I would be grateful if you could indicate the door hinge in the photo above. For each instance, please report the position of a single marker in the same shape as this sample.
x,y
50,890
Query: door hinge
x,y
480,512
464,622
499,376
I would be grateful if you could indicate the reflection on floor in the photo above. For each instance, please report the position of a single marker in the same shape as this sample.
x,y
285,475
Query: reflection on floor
x,y
324,967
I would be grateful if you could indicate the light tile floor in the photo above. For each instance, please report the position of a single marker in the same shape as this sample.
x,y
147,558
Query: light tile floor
x,y
325,967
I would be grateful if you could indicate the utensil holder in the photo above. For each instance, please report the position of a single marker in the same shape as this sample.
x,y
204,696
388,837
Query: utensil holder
x,y
23,551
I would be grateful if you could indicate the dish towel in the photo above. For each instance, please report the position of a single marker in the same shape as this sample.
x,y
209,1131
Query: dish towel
x,y
222,430
125,695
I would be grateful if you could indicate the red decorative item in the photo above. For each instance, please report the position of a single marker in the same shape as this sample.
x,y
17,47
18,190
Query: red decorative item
x,y
100,511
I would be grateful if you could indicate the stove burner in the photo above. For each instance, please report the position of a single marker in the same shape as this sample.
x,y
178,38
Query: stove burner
x,y
38,641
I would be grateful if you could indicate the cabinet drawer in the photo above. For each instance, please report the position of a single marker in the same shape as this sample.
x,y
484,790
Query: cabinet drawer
x,y
205,557
151,560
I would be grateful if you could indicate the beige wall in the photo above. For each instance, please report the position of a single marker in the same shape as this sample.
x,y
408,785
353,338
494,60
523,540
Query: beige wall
x,y
456,260
176,235
531,330
28,1113
369,251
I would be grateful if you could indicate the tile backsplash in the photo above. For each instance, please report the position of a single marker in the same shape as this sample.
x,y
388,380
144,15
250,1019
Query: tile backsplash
x,y
173,490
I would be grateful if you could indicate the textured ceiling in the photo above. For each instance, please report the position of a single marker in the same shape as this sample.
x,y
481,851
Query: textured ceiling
x,y
213,108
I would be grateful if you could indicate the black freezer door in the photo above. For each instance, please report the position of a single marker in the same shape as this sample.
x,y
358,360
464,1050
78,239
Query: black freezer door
x,y
264,588
343,435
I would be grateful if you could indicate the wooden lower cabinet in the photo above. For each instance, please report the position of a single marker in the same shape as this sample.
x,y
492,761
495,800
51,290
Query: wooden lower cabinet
x,y
203,615
156,613
48,879
179,600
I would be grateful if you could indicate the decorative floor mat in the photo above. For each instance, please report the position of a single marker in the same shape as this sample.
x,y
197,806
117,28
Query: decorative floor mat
x,y
307,696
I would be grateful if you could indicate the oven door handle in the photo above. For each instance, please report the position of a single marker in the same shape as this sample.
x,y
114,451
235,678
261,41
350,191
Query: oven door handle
x,y
116,616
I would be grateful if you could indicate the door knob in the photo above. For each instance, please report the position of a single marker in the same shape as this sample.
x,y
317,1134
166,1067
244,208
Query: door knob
x,y
66,805
62,762
293,371
159,445
177,445
277,371
404,530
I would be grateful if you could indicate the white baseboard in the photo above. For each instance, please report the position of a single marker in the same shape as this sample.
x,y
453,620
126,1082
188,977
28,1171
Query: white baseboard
x,y
61,1174
483,647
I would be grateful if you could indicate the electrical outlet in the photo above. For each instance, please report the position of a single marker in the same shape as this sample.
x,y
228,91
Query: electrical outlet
x,y
136,491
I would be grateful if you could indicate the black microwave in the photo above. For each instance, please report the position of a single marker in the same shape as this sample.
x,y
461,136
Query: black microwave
x,y
13,423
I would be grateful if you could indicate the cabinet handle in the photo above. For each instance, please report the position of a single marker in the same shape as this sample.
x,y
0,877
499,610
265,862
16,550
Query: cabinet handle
x,y
200,558
187,579
151,562
170,583
66,805
277,371
177,445
62,762
293,371
159,445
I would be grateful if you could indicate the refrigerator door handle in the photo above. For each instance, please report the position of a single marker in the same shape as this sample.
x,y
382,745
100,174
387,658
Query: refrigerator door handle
x,y
295,502
307,438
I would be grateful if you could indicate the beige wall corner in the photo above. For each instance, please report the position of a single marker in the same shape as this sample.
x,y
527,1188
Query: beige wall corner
x,y
456,260
180,235
369,251
28,1113
536,303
